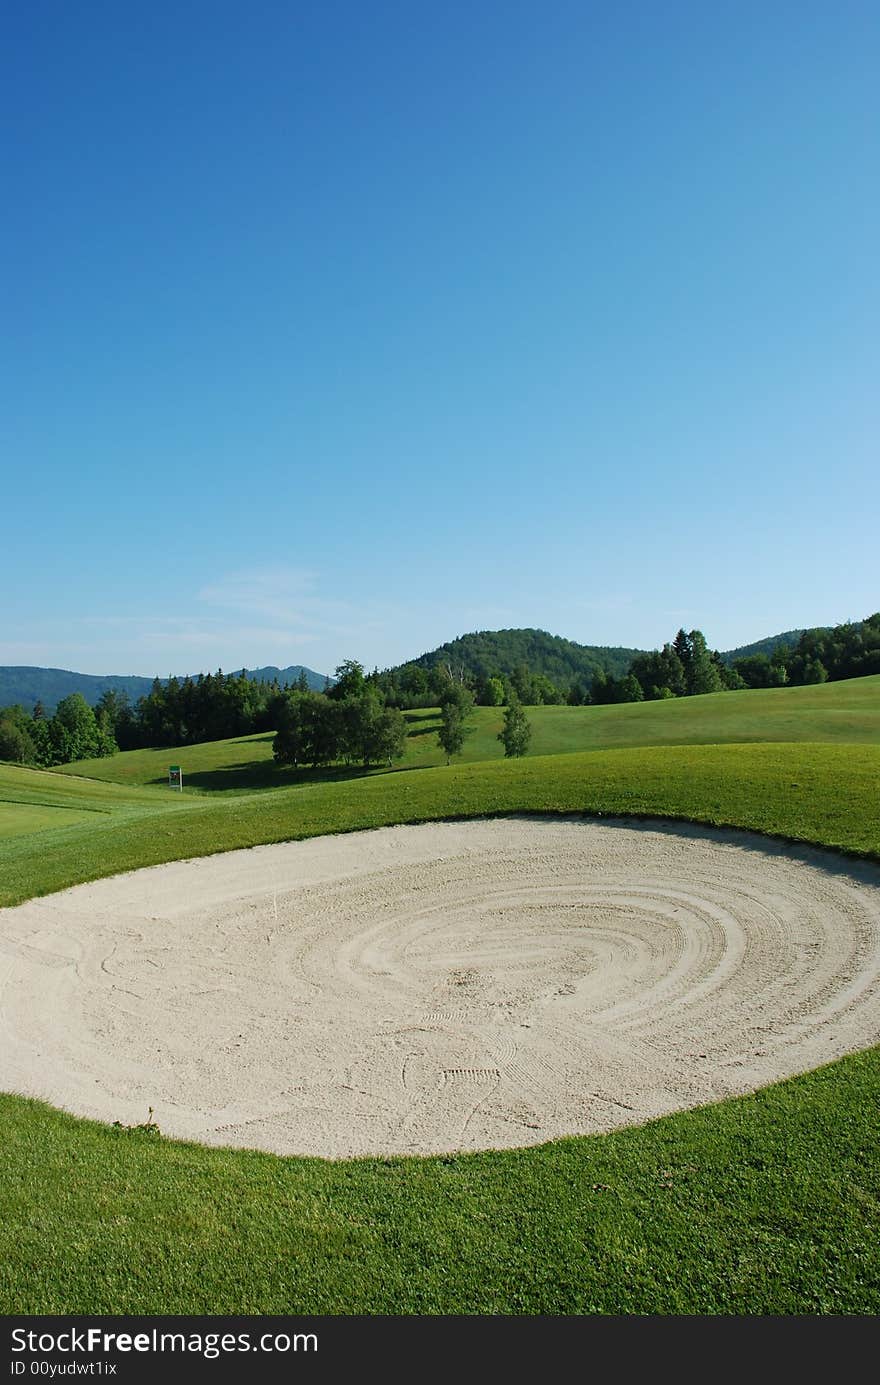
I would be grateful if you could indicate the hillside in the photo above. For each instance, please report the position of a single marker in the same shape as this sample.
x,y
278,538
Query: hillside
x,y
487,652
788,638
23,685
833,713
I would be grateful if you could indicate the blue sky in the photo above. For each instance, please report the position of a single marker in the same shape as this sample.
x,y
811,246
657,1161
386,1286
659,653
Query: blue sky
x,y
336,330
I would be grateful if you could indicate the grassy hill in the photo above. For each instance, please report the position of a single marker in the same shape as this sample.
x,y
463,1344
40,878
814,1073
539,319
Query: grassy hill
x,y
761,1205
844,712
34,800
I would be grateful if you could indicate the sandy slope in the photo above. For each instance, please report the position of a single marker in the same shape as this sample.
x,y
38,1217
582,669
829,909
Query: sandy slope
x,y
450,986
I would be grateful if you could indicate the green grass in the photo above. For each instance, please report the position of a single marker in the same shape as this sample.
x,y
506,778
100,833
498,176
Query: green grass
x,y
239,765
42,813
832,713
845,712
811,793
767,1204
23,819
50,789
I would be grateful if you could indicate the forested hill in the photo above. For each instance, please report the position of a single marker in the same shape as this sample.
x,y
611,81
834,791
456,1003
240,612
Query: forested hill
x,y
27,686
489,652
788,639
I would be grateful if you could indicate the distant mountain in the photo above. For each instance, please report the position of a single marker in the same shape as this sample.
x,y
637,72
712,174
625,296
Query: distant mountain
x,y
270,674
27,686
789,638
487,652
481,653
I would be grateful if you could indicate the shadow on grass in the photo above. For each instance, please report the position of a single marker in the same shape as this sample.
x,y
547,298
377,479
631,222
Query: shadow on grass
x,y
414,720
254,775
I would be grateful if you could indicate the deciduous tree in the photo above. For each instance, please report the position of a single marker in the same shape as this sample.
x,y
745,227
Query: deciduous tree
x,y
516,733
454,711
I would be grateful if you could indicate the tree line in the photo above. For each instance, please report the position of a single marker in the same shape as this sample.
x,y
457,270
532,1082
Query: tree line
x,y
75,732
358,718
684,667
211,707
824,654
411,686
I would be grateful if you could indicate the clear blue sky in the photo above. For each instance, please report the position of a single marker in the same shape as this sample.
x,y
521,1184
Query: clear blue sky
x,y
336,330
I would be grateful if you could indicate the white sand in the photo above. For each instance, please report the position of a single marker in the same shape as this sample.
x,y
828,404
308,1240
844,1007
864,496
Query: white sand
x,y
443,987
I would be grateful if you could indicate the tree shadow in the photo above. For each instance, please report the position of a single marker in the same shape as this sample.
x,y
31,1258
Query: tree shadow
x,y
414,721
254,775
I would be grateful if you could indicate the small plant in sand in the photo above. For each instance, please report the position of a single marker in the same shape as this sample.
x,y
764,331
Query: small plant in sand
x,y
147,1127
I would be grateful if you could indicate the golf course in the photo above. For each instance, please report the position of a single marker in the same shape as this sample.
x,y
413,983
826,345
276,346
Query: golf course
x,y
763,1202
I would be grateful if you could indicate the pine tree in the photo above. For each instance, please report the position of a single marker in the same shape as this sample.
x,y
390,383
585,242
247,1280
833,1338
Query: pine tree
x,y
700,673
703,675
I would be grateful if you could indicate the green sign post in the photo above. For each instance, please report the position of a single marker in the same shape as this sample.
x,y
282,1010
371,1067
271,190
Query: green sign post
x,y
175,777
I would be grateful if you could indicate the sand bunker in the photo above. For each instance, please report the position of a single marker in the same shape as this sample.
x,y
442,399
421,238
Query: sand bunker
x,y
443,987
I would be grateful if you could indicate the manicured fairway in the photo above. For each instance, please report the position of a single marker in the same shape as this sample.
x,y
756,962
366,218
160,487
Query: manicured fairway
x,y
23,819
817,793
